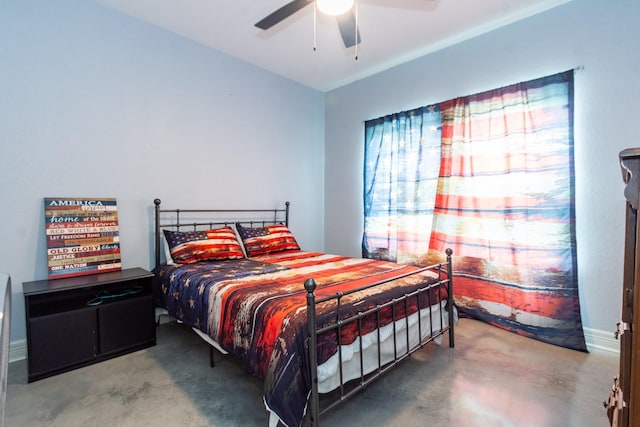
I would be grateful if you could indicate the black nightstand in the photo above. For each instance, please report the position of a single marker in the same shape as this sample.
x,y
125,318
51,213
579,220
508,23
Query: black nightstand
x,y
82,320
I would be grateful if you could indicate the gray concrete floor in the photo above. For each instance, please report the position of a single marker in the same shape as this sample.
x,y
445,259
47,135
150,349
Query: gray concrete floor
x,y
491,378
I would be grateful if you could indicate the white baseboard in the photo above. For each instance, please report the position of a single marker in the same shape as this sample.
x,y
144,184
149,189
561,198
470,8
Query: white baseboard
x,y
595,338
601,340
17,350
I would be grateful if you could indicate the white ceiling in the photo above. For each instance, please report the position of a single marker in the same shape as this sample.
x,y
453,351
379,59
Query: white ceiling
x,y
392,31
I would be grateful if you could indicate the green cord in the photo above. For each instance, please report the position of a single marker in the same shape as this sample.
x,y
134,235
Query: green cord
x,y
100,298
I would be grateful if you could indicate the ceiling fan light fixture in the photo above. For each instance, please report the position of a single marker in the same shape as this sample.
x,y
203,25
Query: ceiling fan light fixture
x,y
334,7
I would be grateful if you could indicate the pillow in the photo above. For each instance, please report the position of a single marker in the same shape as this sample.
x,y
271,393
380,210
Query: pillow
x,y
167,252
239,238
194,246
265,240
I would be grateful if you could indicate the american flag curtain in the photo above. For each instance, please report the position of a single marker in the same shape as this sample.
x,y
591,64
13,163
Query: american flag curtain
x,y
402,160
490,176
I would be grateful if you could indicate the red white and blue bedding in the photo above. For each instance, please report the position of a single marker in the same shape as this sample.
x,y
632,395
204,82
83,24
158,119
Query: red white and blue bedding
x,y
256,309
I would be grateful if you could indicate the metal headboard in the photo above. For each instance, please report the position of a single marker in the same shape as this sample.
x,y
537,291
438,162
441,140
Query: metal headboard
x,y
196,219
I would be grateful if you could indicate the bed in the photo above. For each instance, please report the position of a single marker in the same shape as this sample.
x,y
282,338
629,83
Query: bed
x,y
315,327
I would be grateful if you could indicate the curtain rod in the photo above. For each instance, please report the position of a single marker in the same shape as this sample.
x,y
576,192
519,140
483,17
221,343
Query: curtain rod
x,y
574,69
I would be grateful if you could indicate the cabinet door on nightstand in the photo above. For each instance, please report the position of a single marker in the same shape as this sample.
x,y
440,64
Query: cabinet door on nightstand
x,y
61,340
127,324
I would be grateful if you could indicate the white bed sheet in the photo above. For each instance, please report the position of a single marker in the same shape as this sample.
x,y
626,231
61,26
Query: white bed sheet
x,y
329,373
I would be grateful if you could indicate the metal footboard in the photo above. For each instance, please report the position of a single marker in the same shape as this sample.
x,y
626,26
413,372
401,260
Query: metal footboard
x,y
343,392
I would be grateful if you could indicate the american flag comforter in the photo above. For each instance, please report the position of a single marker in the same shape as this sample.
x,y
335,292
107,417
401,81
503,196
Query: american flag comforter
x,y
256,309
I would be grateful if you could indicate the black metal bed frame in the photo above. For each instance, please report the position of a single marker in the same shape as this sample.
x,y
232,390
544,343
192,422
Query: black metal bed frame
x,y
351,387
445,274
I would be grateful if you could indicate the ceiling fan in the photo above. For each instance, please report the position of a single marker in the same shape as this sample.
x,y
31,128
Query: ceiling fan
x,y
341,9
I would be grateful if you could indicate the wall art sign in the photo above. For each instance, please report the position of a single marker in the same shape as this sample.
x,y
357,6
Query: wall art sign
x,y
82,236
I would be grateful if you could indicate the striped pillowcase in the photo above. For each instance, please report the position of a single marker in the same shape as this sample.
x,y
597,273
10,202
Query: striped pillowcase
x,y
208,245
266,240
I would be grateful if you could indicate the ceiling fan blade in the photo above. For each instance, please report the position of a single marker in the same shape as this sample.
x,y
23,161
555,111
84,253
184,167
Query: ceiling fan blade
x,y
283,13
347,25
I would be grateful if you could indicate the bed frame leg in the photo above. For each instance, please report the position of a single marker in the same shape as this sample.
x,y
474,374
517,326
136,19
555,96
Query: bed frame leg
x,y
450,298
314,405
211,362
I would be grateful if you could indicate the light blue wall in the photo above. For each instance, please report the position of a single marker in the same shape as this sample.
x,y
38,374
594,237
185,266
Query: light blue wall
x,y
601,35
94,103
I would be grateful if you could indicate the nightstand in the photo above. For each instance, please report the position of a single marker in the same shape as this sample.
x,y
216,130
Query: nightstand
x,y
79,321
